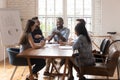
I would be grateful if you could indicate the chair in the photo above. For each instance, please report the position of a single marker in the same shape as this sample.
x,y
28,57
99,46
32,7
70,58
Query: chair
x,y
108,67
101,55
16,61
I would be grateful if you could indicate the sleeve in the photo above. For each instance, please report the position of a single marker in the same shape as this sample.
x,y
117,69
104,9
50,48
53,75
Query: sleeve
x,y
66,34
77,44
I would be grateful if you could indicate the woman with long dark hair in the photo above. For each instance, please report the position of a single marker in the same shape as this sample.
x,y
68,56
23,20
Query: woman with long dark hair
x,y
27,41
83,51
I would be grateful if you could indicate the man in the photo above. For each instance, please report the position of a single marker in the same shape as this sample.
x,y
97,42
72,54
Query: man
x,y
59,34
37,33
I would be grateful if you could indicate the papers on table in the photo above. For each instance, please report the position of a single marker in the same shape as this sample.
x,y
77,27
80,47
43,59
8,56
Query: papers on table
x,y
65,47
52,45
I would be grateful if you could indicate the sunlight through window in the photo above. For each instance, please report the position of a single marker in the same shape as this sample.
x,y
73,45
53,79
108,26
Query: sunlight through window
x,y
70,10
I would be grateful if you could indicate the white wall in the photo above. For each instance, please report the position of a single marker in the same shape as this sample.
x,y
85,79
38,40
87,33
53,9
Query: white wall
x,y
27,9
2,5
111,16
96,13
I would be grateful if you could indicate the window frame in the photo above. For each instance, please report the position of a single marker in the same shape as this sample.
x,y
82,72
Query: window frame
x,y
65,16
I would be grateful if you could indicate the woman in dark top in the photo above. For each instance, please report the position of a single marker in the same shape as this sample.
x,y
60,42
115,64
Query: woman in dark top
x,y
37,33
27,41
83,48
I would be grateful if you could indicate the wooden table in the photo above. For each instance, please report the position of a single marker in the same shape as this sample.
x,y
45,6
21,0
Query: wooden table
x,y
49,51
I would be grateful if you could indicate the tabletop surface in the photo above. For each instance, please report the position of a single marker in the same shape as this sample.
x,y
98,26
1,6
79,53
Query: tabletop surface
x,y
49,50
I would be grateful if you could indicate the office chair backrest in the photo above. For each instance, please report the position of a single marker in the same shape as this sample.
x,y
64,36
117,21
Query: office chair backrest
x,y
104,46
13,59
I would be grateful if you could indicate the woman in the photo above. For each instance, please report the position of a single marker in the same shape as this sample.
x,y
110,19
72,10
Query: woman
x,y
81,21
84,56
27,41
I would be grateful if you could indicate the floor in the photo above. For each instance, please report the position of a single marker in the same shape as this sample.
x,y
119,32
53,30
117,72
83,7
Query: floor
x,y
6,72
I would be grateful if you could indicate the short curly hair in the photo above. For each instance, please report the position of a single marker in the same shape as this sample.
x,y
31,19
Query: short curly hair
x,y
60,18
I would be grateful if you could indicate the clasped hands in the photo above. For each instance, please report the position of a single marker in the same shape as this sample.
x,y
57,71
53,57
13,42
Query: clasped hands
x,y
57,32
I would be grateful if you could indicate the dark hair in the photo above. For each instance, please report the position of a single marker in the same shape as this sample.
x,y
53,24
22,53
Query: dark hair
x,y
35,18
80,29
81,21
61,19
27,30
29,24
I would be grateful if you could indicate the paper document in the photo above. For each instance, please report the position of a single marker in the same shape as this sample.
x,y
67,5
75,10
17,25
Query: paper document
x,y
65,47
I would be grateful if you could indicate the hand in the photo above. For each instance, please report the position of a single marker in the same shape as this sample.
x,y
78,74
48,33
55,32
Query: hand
x,y
42,43
49,38
62,43
56,32
70,39
45,39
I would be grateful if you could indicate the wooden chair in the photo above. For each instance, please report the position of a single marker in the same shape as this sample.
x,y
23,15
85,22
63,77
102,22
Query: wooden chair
x,y
108,67
15,61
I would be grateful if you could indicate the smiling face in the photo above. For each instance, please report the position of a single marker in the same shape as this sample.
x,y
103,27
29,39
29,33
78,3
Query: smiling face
x,y
59,23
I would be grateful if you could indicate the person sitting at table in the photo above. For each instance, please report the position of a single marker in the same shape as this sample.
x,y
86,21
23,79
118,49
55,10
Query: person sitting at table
x,y
72,40
59,33
27,41
37,34
83,52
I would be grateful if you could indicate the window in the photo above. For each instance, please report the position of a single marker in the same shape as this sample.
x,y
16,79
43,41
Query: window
x,y
70,10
